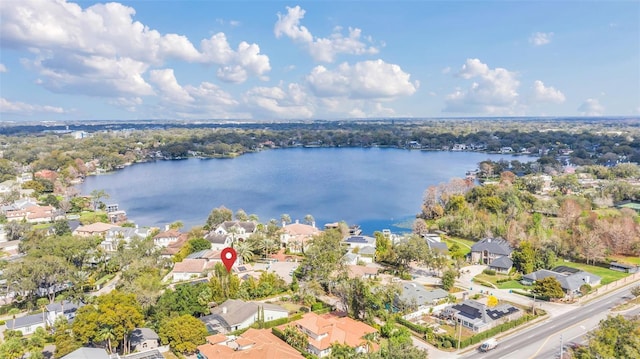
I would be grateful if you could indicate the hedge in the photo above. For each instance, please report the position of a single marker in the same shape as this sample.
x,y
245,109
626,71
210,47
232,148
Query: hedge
x,y
495,330
413,326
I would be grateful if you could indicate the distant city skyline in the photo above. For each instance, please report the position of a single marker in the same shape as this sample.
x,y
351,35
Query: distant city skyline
x,y
272,60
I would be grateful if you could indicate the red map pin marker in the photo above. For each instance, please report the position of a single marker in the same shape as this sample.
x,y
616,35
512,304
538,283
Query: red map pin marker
x,y
229,257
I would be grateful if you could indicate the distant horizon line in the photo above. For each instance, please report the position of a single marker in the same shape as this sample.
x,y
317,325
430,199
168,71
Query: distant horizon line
x,y
355,119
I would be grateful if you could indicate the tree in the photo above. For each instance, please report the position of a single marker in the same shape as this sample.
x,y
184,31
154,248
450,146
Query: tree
x,y
61,227
420,226
119,311
412,249
384,250
492,301
524,257
449,279
97,195
184,300
635,291
12,348
615,337
183,333
199,244
294,337
62,338
244,250
323,258
548,287
241,215
308,219
218,216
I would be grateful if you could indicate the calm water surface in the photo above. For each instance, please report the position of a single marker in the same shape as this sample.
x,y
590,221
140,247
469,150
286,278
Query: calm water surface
x,y
375,188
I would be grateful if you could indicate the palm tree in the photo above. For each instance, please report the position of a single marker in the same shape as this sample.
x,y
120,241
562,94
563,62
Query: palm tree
x,y
244,250
106,334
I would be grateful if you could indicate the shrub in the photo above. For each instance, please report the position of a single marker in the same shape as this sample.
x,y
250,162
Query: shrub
x,y
489,271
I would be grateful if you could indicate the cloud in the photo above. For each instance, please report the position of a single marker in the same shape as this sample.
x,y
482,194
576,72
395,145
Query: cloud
x,y
68,43
3,68
321,49
22,108
540,38
168,86
127,103
494,91
591,107
363,80
280,102
546,94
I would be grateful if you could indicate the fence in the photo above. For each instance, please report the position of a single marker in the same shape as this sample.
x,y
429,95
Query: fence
x,y
609,287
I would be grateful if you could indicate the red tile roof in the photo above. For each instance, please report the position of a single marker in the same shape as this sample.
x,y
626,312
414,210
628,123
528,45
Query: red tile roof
x,y
257,344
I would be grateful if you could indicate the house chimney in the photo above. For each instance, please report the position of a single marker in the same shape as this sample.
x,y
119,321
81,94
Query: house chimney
x,y
587,279
297,221
313,224
224,310
166,227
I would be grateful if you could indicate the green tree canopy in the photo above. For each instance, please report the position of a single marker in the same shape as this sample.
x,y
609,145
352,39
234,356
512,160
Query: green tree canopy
x,y
548,287
183,333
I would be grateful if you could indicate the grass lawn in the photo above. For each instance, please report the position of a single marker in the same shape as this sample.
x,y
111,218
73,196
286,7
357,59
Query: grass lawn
x,y
513,284
464,244
606,274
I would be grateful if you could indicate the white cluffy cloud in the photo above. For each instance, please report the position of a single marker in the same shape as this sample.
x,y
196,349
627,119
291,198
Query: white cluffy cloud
x,y
540,38
493,91
546,94
22,108
363,80
321,49
102,51
591,107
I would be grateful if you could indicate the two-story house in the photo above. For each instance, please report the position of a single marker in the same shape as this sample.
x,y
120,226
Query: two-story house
x,y
487,250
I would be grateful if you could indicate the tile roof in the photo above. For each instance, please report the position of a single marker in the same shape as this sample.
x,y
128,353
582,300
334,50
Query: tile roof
x,y
300,229
189,266
252,344
343,330
172,233
97,227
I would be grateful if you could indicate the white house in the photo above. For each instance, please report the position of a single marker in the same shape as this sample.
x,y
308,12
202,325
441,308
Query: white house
x,y
236,314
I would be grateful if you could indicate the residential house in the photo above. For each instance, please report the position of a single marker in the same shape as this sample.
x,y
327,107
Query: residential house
x,y
238,230
327,329
9,248
362,272
571,279
117,235
435,243
479,317
359,241
174,247
415,296
29,323
252,344
167,237
188,269
88,353
501,265
142,339
219,241
236,314
296,236
487,250
34,214
94,229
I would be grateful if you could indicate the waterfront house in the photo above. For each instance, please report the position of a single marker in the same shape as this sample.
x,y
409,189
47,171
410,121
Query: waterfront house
x,y
296,236
238,230
122,235
94,229
166,237
188,269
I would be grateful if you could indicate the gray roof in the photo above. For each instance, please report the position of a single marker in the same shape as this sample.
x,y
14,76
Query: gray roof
x,y
67,305
568,282
413,291
140,335
237,311
25,321
87,353
493,245
199,254
362,240
474,310
214,237
436,245
503,262
367,251
249,227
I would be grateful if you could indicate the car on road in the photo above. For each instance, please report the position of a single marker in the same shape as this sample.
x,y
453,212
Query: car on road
x,y
489,345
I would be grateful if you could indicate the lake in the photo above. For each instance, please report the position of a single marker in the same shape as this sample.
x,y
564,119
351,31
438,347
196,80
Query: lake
x,y
376,188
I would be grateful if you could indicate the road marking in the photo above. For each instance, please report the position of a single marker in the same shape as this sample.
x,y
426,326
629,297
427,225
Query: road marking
x,y
509,355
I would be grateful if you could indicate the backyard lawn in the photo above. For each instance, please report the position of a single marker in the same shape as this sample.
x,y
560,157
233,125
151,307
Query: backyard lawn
x,y
625,259
464,244
606,274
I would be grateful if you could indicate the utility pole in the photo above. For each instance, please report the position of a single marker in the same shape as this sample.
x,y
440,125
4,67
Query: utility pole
x,y
561,347
459,322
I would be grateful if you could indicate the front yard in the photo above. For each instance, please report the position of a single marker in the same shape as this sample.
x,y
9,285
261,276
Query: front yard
x,y
606,274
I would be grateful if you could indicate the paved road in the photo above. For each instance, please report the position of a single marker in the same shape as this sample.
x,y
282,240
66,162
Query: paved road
x,y
540,340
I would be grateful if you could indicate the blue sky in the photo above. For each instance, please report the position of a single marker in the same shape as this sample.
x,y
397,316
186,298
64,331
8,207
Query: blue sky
x,y
265,60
